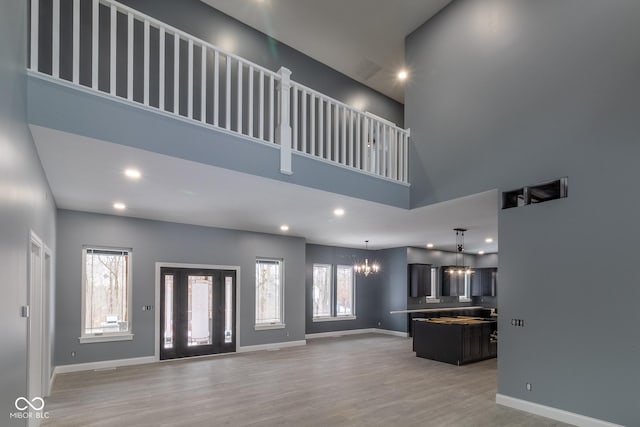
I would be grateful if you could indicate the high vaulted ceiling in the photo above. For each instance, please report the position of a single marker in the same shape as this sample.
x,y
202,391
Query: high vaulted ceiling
x,y
86,174
363,39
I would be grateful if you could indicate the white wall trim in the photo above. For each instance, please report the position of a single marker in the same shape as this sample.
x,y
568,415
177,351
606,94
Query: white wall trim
x,y
333,334
552,413
390,332
271,346
105,364
159,265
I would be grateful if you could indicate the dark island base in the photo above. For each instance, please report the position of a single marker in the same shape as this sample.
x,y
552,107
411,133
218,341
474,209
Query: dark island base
x,y
457,340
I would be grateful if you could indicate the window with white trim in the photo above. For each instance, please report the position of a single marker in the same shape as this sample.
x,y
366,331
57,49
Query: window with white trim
x,y
106,295
467,288
333,292
269,293
322,290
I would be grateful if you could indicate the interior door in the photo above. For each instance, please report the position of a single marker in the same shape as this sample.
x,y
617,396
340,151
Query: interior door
x,y
197,312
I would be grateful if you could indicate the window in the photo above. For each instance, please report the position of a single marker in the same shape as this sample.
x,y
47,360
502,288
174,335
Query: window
x,y
269,294
322,290
106,295
434,283
344,291
333,296
467,288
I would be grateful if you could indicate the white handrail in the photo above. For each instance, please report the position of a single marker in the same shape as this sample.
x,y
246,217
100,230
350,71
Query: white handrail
x,y
219,87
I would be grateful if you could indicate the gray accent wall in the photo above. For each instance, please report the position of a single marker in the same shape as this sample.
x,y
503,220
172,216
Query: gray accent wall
x,y
155,241
26,204
367,297
520,92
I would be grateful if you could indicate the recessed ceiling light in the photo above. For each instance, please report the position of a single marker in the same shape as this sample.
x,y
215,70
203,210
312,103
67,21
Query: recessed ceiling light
x,y
338,212
402,75
284,227
488,240
119,206
429,245
480,252
132,173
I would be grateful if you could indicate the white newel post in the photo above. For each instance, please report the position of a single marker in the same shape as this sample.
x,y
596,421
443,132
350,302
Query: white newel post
x,y
283,131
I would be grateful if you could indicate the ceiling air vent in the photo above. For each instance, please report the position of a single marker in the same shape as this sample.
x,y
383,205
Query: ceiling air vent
x,y
367,69
532,194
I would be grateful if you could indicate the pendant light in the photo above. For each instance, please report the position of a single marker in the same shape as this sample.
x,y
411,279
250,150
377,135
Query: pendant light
x,y
460,268
364,267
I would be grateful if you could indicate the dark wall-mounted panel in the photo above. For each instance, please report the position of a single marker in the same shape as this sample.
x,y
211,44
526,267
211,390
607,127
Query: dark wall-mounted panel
x,y
419,280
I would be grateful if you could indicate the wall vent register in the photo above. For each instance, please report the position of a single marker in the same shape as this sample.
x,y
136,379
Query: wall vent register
x,y
532,194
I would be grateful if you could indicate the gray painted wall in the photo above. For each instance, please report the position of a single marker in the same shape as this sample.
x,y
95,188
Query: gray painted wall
x,y
154,241
367,298
393,289
515,93
25,204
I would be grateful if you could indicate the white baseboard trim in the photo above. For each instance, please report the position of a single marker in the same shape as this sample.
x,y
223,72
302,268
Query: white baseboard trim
x,y
106,364
271,346
390,332
51,380
552,413
333,334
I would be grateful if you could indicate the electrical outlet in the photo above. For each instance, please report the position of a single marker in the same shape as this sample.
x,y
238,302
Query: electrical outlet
x,y
73,354
379,323
529,387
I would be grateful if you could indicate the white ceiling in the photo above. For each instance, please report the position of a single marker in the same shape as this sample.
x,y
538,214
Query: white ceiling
x,y
347,35
87,175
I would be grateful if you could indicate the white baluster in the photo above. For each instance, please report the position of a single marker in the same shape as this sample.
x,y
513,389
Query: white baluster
x,y
227,111
161,68
304,121
250,102
55,42
176,73
216,87
35,31
239,118
312,125
351,162
272,106
320,127
328,119
203,83
261,117
76,42
190,78
358,141
130,57
146,55
95,23
295,118
343,150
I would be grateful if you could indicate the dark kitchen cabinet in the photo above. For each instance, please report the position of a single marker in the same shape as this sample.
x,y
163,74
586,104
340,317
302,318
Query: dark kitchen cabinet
x,y
484,282
419,276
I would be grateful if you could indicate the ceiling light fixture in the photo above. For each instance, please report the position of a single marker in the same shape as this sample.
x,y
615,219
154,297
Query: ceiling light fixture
x,y
284,227
119,206
338,212
132,173
460,268
402,75
430,245
480,252
364,267
488,240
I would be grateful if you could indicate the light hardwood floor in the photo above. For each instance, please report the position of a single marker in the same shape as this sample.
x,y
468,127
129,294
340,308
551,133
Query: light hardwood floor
x,y
359,380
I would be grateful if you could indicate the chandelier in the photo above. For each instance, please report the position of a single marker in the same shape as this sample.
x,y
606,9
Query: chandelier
x,y
460,268
364,267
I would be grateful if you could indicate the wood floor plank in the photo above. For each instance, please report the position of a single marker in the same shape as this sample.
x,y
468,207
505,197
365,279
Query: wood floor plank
x,y
359,380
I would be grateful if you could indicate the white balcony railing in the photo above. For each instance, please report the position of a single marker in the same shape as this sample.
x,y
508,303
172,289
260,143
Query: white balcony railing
x,y
104,46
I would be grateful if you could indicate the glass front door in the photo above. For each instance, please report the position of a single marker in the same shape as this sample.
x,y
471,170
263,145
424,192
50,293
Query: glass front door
x,y
197,312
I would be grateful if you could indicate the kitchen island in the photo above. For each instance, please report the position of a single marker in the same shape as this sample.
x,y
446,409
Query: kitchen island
x,y
456,340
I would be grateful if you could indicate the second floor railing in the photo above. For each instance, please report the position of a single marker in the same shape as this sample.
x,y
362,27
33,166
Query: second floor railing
x,y
108,47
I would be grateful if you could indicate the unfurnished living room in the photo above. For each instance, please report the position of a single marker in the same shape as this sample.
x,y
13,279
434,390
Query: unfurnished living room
x,y
313,213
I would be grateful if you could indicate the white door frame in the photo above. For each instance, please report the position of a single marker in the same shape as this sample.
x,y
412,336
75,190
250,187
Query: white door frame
x,y
47,311
160,265
35,303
